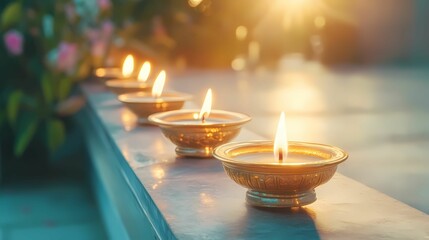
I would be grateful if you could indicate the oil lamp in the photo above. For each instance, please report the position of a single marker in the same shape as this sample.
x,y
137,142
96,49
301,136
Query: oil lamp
x,y
279,174
144,104
116,72
128,84
196,132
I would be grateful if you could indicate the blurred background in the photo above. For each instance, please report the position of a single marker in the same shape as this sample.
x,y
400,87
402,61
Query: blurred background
x,y
49,47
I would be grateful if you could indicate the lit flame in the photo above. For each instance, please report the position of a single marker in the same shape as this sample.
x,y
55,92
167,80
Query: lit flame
x,y
158,85
194,3
241,33
144,72
280,142
100,72
207,106
128,66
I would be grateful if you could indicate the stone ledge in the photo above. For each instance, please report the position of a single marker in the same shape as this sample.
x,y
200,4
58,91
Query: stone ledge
x,y
194,199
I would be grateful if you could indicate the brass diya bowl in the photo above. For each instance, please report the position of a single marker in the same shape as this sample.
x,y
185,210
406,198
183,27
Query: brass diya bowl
x,y
194,138
122,86
279,184
143,104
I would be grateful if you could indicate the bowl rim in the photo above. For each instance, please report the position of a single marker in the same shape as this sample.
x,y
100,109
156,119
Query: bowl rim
x,y
158,118
175,97
116,83
221,153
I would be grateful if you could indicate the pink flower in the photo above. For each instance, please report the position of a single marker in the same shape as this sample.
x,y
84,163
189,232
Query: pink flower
x,y
67,56
13,41
104,4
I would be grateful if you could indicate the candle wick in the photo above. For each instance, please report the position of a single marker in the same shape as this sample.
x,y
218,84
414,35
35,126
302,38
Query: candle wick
x,y
203,118
280,155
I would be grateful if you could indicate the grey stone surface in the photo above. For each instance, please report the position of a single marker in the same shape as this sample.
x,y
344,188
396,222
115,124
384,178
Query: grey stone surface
x,y
379,115
198,201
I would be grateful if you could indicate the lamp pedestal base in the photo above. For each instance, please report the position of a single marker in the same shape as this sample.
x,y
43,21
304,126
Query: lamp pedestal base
x,y
261,199
194,152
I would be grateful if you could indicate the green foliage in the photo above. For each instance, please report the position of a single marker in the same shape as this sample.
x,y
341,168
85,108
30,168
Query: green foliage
x,y
26,128
64,88
55,133
47,89
62,41
41,77
13,106
11,15
54,90
2,118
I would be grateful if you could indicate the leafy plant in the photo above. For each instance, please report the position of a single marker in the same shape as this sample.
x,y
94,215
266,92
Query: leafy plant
x,y
46,49
47,46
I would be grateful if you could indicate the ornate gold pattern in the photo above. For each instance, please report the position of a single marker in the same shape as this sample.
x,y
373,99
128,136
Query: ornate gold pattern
x,y
275,182
283,184
196,139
